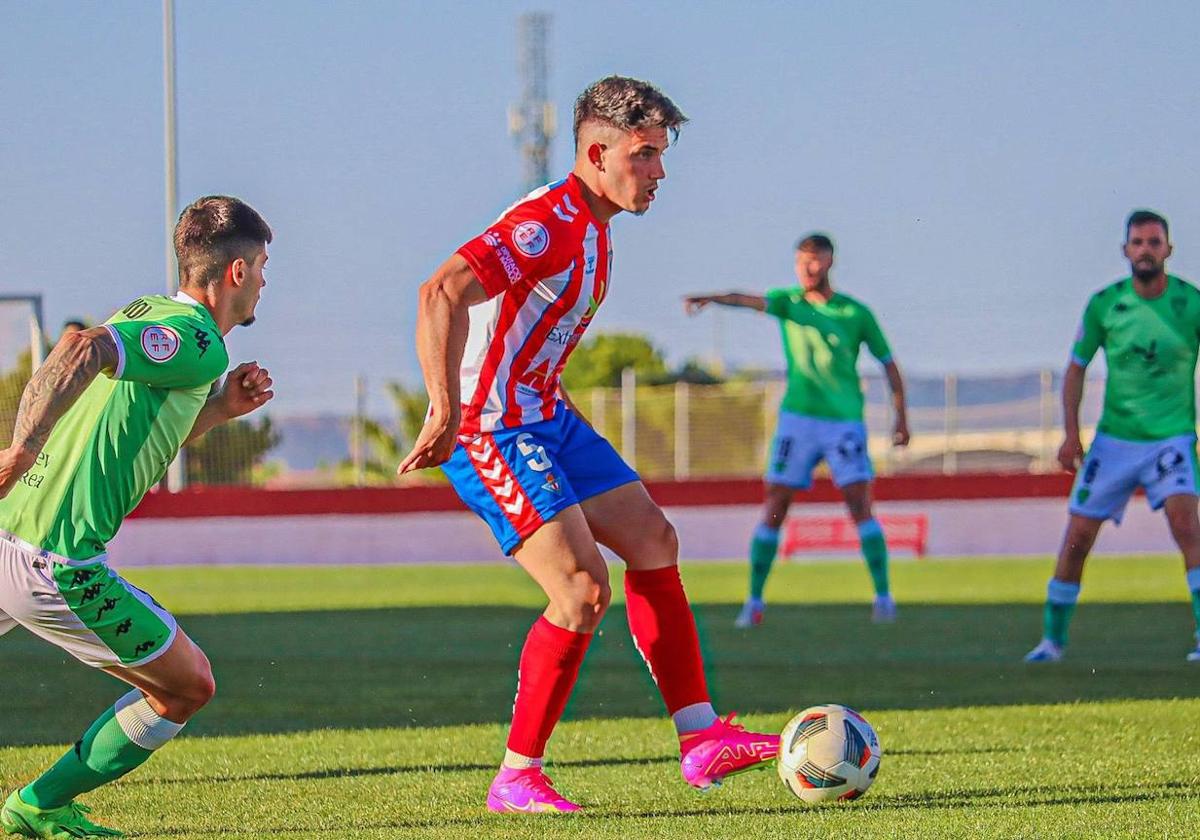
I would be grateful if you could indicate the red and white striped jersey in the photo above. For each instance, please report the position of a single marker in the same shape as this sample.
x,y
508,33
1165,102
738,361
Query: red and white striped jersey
x,y
545,266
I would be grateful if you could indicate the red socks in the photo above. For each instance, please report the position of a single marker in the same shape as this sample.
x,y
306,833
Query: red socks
x,y
549,667
664,631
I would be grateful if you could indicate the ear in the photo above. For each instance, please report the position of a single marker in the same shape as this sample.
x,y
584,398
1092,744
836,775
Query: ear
x,y
236,272
595,154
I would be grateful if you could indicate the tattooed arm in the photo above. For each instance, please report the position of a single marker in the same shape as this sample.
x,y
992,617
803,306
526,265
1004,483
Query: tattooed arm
x,y
72,365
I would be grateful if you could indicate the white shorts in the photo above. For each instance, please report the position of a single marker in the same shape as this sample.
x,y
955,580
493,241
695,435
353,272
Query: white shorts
x,y
88,610
802,442
1115,468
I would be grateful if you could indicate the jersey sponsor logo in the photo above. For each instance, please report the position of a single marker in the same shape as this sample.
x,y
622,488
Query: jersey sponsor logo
x,y
160,343
560,335
531,238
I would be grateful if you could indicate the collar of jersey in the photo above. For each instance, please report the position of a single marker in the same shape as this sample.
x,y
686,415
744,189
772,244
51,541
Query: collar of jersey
x,y
183,297
576,191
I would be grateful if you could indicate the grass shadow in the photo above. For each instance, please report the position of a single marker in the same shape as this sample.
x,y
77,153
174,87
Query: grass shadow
x,y
433,666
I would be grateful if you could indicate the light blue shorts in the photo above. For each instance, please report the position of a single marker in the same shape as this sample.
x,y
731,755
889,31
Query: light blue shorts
x,y
1115,468
802,442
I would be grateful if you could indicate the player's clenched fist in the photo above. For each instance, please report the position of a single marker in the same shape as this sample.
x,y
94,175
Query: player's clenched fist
x,y
246,388
1070,453
434,444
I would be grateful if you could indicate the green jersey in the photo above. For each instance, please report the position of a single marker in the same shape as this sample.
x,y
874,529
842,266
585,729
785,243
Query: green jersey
x,y
1150,348
821,342
116,441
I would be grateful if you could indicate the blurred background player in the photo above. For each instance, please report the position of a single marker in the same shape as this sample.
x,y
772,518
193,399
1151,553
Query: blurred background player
x,y
821,417
497,322
97,426
1149,326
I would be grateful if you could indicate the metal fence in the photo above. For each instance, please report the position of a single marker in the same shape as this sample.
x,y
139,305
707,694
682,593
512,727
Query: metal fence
x,y
958,424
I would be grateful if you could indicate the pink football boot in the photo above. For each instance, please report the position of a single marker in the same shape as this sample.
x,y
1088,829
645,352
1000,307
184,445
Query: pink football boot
x,y
724,749
526,792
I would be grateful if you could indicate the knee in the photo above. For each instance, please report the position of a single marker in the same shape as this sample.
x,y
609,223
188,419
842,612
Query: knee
x,y
668,540
191,694
860,510
584,602
778,502
1078,542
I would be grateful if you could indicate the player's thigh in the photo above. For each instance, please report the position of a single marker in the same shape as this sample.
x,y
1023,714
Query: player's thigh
x,y
89,611
1169,469
629,522
795,451
1107,478
512,480
844,447
563,559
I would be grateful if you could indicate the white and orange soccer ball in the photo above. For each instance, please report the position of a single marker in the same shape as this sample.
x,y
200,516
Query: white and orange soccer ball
x,y
828,753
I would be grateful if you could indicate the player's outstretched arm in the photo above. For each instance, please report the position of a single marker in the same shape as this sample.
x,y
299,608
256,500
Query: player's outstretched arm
x,y
442,324
75,361
694,303
245,388
1071,452
900,433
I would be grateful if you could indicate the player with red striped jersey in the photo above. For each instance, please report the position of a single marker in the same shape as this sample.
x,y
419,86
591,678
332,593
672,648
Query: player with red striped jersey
x,y
496,325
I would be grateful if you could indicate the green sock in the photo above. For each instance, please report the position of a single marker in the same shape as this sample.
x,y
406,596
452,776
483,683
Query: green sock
x,y
762,555
1193,583
1061,597
875,552
104,753
1056,618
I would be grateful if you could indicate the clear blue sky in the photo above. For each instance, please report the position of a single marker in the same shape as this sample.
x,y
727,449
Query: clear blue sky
x,y
974,163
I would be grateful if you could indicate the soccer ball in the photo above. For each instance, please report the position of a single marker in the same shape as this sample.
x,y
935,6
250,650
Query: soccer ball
x,y
828,753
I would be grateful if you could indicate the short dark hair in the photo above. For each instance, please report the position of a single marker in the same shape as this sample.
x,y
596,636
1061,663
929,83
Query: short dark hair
x,y
212,232
815,242
1142,217
627,104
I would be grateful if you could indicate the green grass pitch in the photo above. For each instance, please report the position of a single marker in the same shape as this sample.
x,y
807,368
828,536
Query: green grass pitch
x,y
358,702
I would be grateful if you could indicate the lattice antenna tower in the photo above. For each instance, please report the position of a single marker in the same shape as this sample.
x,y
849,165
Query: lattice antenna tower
x,y
533,121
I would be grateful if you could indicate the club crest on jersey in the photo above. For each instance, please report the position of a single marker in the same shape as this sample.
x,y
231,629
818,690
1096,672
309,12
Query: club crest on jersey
x,y
531,238
160,343
552,484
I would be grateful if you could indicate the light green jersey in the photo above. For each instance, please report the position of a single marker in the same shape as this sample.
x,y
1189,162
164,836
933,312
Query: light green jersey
x,y
1150,348
116,441
821,343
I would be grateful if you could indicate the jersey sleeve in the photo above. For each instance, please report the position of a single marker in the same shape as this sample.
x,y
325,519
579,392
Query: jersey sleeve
x,y
525,244
1090,335
874,338
173,352
780,302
